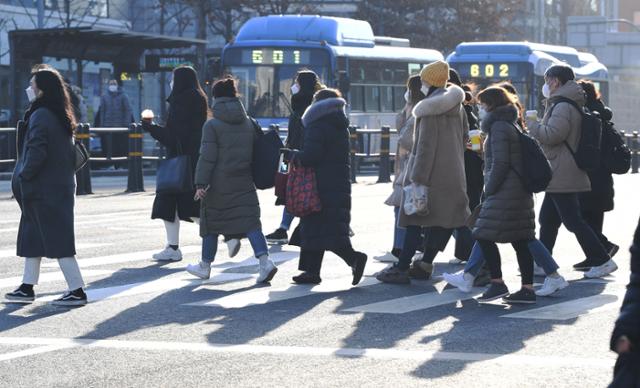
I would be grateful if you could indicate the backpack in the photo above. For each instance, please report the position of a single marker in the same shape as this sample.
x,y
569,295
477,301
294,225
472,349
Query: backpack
x,y
537,172
266,157
616,156
587,156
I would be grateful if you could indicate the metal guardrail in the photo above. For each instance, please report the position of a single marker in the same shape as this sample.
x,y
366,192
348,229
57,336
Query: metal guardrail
x,y
360,150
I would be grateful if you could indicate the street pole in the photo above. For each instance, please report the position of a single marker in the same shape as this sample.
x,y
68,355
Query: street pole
x,y
40,13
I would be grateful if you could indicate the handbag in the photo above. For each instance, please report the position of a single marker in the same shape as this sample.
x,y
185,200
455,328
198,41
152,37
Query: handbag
x,y
81,155
175,175
266,153
416,200
282,177
302,198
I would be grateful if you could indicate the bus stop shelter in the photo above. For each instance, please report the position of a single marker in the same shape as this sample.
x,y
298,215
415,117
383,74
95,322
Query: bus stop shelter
x,y
123,49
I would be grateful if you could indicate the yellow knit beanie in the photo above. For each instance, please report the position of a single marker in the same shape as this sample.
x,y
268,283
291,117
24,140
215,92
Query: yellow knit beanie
x,y
435,74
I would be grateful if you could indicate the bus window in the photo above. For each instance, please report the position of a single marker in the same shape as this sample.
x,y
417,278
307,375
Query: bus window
x,y
386,99
371,99
357,98
398,98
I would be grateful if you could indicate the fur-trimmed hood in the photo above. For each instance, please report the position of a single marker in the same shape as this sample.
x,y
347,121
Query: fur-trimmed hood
x,y
508,113
440,102
319,109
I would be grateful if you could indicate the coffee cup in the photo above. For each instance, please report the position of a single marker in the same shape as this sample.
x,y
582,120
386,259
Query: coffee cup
x,y
531,115
475,138
147,115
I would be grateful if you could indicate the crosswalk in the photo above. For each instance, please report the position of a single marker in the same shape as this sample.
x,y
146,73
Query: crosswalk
x,y
336,284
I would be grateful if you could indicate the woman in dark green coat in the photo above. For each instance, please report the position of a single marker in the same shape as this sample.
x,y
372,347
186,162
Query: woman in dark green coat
x,y
224,182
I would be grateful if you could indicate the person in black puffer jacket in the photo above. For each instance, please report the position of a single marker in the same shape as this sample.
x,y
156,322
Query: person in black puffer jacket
x,y
326,150
306,83
625,339
599,200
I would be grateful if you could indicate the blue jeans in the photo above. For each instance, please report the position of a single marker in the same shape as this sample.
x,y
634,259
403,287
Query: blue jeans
x,y
540,253
398,232
256,239
287,219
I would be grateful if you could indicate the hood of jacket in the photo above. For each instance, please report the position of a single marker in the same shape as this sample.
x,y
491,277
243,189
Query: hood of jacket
x,y
598,106
229,110
322,108
440,102
507,113
571,90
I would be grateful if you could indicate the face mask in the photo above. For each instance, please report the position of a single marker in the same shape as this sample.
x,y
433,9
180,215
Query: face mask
x,y
424,89
171,85
406,96
295,89
482,113
545,91
113,88
31,95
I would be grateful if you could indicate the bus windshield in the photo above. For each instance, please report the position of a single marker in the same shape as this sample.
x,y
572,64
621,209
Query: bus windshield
x,y
265,76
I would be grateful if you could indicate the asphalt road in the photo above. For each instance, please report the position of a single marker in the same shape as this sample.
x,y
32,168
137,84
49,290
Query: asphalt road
x,y
152,325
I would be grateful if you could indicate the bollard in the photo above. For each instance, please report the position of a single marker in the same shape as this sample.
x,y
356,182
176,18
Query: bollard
x,y
83,176
135,181
384,173
635,153
353,142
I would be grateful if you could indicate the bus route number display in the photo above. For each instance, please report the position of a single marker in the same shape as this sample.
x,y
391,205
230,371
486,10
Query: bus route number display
x,y
490,70
275,57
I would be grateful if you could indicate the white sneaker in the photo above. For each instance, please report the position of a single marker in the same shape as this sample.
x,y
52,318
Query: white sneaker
x,y
267,270
551,285
538,271
463,281
168,254
457,261
601,270
201,270
234,246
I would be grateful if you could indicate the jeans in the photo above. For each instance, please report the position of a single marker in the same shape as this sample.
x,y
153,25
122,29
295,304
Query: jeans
x,y
256,239
287,219
540,253
398,232
558,209
525,260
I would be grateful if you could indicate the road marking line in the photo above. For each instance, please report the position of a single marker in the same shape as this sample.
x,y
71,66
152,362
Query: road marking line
x,y
92,216
519,360
124,257
33,351
107,221
98,294
276,294
51,277
411,303
571,309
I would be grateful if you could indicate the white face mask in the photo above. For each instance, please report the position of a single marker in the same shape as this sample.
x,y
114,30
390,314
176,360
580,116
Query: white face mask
x,y
171,85
31,95
295,89
406,96
482,113
546,92
424,89
113,88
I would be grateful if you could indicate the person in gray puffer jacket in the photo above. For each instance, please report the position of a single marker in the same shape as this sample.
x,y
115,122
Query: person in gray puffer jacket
x,y
115,111
506,214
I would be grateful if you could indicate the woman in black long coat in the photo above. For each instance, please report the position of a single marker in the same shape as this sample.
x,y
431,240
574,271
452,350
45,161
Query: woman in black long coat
x,y
599,200
326,150
44,186
181,135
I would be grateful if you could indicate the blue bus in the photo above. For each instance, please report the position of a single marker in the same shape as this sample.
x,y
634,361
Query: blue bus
x,y
370,71
523,64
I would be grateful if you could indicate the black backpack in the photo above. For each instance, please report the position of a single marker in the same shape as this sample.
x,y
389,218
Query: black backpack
x,y
537,172
616,155
587,156
266,157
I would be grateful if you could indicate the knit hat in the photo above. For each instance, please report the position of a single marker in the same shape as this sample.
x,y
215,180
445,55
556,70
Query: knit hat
x,y
435,74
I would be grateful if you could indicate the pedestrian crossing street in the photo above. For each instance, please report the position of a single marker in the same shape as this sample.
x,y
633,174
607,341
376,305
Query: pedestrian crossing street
x,y
336,283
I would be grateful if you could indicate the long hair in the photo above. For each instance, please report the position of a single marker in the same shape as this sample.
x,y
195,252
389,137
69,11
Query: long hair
x,y
185,79
415,94
54,97
508,86
494,97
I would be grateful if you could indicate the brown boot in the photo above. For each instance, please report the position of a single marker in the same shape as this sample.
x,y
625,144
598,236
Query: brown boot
x,y
420,270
